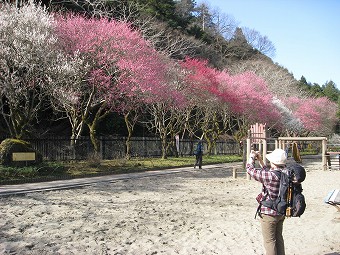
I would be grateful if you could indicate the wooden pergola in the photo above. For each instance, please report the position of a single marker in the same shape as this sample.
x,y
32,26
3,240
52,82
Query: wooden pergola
x,y
282,143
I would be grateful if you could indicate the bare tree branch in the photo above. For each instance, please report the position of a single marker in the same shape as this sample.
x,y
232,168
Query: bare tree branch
x,y
259,42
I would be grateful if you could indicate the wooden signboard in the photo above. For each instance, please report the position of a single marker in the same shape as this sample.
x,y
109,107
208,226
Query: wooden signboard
x,y
23,156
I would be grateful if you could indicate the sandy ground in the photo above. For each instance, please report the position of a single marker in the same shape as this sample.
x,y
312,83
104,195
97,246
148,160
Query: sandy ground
x,y
199,212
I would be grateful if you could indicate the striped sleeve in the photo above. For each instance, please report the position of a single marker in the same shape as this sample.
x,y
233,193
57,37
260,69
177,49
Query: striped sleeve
x,y
271,184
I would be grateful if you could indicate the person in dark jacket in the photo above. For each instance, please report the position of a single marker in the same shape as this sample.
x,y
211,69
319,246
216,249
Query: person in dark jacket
x,y
199,154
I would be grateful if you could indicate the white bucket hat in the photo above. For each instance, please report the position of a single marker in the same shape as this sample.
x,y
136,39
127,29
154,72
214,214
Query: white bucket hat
x,y
277,157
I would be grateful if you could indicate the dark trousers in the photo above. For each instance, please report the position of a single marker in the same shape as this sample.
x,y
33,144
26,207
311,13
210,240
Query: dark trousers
x,y
199,160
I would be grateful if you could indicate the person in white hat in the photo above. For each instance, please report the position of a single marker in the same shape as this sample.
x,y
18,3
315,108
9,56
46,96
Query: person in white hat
x,y
271,220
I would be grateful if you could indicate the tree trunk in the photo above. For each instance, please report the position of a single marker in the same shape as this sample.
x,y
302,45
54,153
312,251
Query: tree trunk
x,y
129,128
164,147
99,116
209,143
93,138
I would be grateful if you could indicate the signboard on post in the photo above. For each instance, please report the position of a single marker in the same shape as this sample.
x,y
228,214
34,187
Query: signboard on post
x,y
23,156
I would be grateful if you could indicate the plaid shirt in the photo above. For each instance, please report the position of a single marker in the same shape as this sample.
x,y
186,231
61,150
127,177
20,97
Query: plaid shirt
x,y
270,185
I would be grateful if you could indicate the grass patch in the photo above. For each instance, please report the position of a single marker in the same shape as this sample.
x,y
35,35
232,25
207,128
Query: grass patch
x,y
308,152
45,170
66,170
143,164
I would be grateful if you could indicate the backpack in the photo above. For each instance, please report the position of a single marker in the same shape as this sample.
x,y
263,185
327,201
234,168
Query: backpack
x,y
290,201
199,149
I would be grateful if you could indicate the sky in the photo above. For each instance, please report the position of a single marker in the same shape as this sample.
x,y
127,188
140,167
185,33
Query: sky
x,y
305,33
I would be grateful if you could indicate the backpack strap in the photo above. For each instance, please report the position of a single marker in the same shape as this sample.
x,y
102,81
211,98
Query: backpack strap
x,y
277,173
258,211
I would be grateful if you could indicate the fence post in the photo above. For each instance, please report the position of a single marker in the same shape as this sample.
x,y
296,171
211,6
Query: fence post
x,y
234,172
324,157
248,151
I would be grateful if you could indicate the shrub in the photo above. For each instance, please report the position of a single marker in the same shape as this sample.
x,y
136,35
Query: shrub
x,y
9,146
94,160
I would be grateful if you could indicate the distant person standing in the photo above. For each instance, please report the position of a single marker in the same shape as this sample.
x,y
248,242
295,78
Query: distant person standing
x,y
287,150
199,154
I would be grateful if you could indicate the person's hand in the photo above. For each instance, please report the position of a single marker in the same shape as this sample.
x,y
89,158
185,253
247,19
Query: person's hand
x,y
258,155
252,157
252,154
255,154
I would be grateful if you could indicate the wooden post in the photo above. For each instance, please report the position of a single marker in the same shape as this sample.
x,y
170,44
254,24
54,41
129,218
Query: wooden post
x,y
234,172
260,146
324,157
264,152
248,152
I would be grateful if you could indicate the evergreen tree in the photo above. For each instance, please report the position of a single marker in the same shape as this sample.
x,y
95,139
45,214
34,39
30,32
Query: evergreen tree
x,y
330,91
316,90
184,9
239,48
164,10
203,17
304,84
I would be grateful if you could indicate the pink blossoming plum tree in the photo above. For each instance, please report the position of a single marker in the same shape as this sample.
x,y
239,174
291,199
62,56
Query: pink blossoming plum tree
x,y
123,67
317,115
203,114
165,111
241,99
254,102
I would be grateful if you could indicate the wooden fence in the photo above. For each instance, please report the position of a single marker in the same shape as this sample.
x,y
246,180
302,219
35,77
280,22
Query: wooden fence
x,y
60,148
